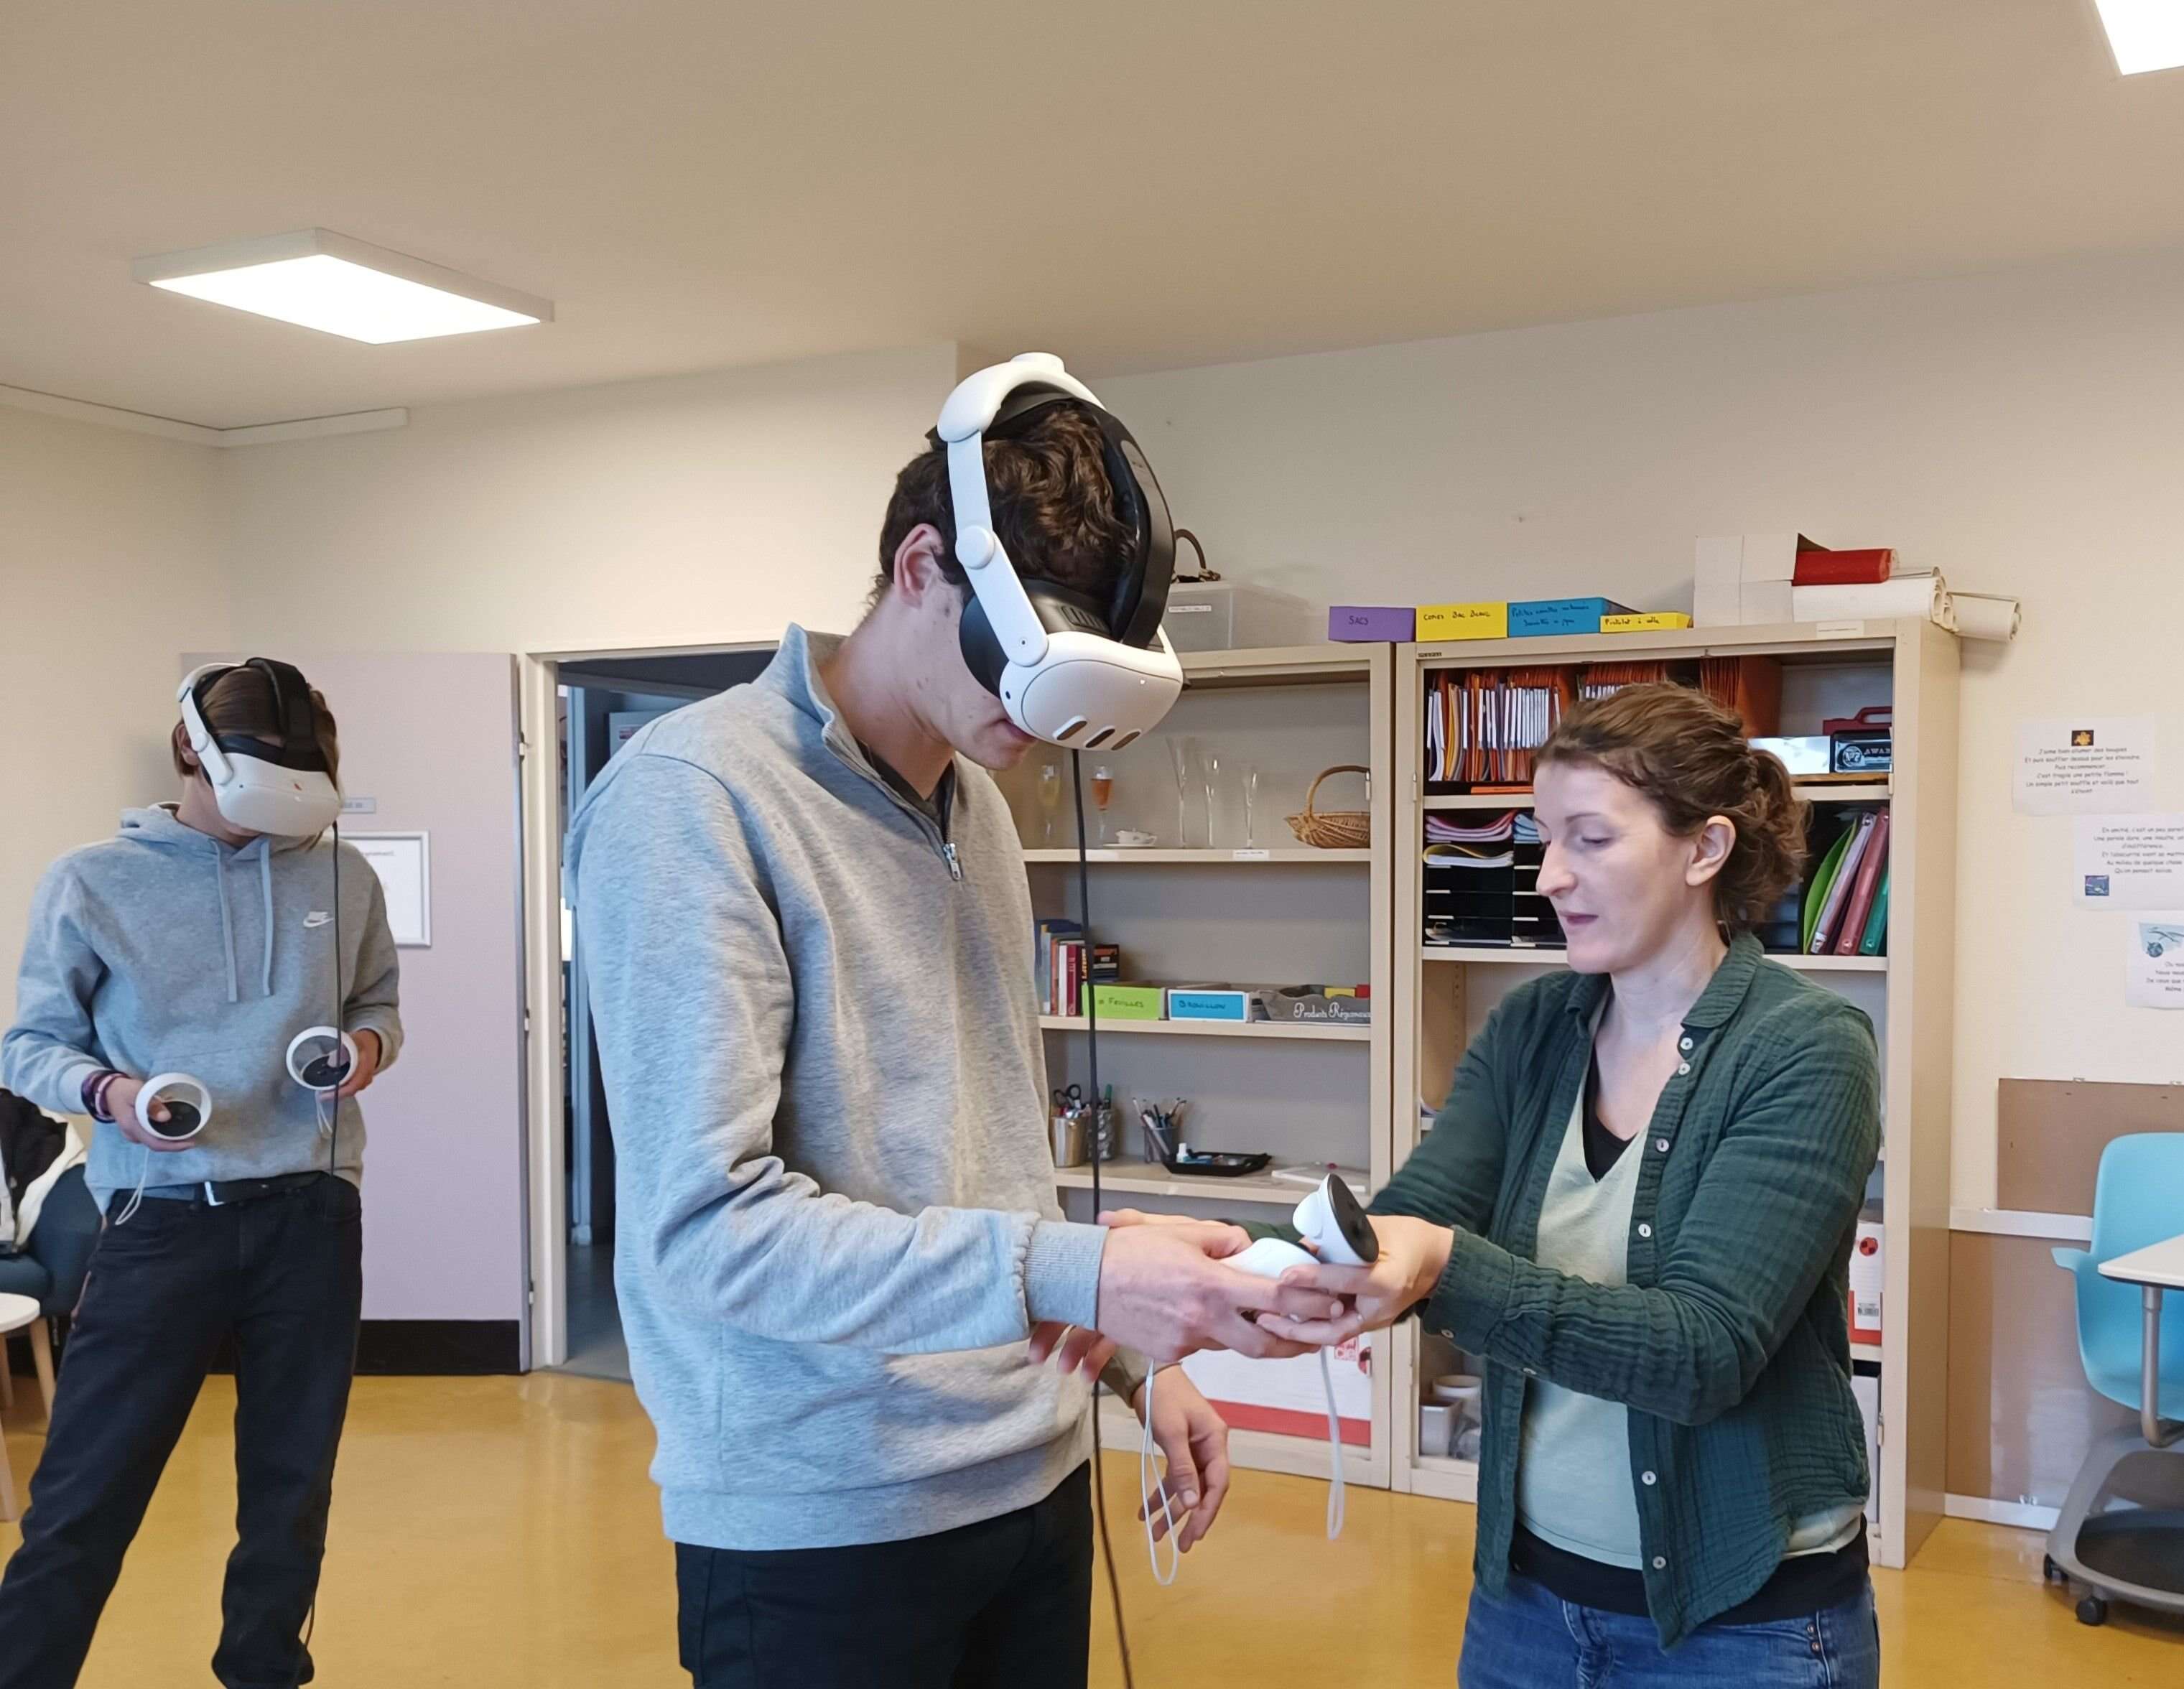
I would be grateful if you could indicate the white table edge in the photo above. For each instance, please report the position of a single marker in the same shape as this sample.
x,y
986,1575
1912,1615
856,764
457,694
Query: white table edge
x,y
2158,1263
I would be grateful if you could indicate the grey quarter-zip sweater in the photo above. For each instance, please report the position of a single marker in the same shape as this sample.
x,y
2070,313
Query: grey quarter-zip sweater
x,y
835,1215
162,950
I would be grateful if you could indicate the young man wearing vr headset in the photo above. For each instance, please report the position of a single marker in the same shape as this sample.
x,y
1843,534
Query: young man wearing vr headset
x,y
201,940
840,1262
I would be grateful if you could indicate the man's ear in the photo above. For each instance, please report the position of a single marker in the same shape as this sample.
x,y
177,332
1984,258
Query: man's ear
x,y
917,565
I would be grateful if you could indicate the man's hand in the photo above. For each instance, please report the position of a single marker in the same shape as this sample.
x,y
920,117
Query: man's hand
x,y
1413,1255
1195,1441
121,1104
367,1064
1164,1292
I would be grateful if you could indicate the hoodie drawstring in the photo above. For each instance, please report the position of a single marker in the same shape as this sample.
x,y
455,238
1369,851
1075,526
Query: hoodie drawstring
x,y
226,926
265,880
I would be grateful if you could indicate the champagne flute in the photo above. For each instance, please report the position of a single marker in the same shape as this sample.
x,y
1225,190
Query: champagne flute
x,y
1212,785
1180,753
1050,799
1251,804
1103,790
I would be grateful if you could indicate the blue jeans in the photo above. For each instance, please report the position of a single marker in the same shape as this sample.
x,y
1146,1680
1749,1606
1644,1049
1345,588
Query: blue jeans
x,y
1528,1639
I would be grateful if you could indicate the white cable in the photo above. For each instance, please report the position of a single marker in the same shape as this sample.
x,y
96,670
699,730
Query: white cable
x,y
1157,1486
1335,1499
136,1197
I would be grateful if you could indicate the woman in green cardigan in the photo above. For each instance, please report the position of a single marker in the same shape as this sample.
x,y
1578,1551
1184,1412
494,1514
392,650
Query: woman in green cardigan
x,y
1637,1210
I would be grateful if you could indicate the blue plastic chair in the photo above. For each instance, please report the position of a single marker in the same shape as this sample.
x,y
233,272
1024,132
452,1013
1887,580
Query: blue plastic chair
x,y
2138,1200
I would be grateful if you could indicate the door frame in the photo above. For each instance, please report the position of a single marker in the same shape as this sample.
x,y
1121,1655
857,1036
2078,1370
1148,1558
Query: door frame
x,y
546,1229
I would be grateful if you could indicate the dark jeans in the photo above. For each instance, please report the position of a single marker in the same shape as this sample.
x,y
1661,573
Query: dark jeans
x,y
1005,1603
282,1275
1528,1639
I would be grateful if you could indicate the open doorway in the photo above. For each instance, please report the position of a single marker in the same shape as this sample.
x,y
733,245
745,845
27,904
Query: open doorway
x,y
600,702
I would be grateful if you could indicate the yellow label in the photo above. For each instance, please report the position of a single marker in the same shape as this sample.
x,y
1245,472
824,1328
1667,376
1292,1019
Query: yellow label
x,y
1645,621
1462,622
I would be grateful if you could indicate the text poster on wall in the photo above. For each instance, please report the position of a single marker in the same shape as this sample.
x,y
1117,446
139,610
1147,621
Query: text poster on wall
x,y
2130,861
2084,765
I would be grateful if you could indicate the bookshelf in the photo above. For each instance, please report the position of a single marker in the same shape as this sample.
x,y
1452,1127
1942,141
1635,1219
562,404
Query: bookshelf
x,y
1444,992
1261,911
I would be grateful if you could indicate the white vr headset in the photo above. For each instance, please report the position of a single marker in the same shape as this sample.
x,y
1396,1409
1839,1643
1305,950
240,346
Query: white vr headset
x,y
1069,668
284,789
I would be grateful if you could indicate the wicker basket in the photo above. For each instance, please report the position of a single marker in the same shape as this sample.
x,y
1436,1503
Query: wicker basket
x,y
1333,829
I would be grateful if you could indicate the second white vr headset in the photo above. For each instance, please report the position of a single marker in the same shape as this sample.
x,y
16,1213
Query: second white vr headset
x,y
285,789
1069,668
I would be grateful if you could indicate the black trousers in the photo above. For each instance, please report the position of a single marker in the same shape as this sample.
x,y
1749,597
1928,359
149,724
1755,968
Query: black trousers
x,y
1005,1603
283,1274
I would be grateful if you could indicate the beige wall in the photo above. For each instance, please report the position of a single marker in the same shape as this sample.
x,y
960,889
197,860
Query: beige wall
x,y
696,508
109,564
2024,431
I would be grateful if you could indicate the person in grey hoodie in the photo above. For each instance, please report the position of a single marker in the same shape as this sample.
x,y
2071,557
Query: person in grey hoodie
x,y
802,910
187,945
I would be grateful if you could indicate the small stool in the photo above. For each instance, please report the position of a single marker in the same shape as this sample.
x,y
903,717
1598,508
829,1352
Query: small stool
x,y
16,1313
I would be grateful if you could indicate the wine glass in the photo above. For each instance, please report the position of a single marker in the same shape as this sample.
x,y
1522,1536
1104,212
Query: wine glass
x,y
1212,785
1103,790
1250,778
1050,799
1181,752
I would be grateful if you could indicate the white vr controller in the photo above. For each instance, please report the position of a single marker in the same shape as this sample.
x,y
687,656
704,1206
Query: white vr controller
x,y
1332,1220
189,1106
321,1058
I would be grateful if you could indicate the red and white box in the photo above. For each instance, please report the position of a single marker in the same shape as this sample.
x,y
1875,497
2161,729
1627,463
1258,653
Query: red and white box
x,y
1866,1273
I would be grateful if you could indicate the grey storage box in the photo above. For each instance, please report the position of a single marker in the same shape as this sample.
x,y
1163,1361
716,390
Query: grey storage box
x,y
1234,616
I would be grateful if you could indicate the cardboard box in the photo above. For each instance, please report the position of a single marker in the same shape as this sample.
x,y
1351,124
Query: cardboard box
x,y
1546,618
1767,602
1124,1002
1462,622
1644,621
1326,1005
1209,1003
1772,556
1368,624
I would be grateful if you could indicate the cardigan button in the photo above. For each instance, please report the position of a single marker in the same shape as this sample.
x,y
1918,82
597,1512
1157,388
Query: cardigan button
x,y
1685,1043
1660,1564
1683,1067
1644,1230
1662,1144
1649,1479
1451,1335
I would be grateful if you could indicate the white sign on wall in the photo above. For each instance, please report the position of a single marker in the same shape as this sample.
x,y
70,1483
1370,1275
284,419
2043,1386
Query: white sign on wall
x,y
2084,765
403,863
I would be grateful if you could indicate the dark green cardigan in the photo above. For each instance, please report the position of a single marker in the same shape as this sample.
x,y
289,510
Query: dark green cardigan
x,y
1730,1342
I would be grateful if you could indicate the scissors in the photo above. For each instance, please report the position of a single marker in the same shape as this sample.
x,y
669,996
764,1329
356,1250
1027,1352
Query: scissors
x,y
1068,1100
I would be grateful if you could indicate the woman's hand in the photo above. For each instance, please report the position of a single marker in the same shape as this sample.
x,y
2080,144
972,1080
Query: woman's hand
x,y
121,1104
1413,1255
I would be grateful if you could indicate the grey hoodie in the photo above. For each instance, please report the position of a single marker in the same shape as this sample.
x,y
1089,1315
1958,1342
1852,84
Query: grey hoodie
x,y
162,950
835,1204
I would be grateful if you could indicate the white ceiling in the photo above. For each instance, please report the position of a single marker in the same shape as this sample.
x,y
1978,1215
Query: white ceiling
x,y
1133,183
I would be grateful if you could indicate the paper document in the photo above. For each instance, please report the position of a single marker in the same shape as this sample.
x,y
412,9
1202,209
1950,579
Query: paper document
x,y
2130,861
2084,765
2155,976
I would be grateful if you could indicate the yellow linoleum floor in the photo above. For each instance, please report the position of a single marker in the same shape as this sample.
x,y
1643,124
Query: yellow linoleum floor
x,y
494,1532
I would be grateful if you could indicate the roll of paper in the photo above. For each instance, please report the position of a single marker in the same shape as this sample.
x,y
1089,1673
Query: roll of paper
x,y
1980,617
1921,595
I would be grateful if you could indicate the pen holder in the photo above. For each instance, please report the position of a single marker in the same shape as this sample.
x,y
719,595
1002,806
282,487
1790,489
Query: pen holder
x,y
1069,1145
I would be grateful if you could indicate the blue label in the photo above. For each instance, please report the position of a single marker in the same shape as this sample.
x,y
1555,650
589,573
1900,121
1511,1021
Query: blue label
x,y
1206,1006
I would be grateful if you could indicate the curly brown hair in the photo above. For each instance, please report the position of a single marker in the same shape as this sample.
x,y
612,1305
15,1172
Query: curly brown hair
x,y
1689,757
1053,506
